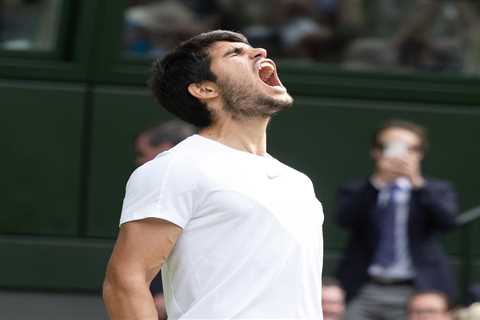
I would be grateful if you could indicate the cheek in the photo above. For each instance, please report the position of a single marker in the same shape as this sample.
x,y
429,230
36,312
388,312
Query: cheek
x,y
245,79
244,73
416,158
238,78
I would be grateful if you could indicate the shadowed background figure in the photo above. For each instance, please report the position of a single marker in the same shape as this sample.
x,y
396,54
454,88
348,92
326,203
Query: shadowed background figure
x,y
428,305
333,299
159,138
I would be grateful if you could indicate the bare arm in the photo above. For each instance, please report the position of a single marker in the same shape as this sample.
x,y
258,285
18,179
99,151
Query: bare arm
x,y
142,247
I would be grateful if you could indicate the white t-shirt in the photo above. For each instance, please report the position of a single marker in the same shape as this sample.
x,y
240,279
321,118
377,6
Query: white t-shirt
x,y
251,246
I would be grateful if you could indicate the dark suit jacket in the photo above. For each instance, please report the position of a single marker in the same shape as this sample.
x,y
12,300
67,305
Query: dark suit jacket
x,y
432,211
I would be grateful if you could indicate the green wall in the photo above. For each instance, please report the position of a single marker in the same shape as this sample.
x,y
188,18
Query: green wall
x,y
41,135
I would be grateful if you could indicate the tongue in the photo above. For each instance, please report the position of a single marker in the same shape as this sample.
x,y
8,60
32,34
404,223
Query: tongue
x,y
271,80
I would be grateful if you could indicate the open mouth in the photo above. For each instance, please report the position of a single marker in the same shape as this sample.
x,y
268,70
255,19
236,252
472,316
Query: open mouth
x,y
268,74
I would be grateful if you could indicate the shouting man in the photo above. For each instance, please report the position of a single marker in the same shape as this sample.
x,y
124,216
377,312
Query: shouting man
x,y
236,233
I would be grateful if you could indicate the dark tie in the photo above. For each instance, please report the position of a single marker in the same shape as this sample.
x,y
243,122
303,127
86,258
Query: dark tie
x,y
386,249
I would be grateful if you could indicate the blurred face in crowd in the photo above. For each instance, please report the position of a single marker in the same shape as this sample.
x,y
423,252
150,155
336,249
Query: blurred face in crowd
x,y
398,152
145,152
247,81
429,306
160,305
410,150
333,305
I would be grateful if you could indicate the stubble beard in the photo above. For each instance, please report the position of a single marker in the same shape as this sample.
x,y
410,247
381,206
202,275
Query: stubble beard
x,y
244,102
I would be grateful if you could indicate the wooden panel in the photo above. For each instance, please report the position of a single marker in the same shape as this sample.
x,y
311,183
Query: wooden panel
x,y
41,130
119,114
53,263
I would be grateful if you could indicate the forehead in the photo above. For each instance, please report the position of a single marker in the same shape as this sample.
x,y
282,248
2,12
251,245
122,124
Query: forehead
x,y
398,134
219,48
332,291
141,138
428,300
142,141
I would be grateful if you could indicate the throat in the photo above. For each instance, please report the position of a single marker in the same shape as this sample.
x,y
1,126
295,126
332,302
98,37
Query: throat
x,y
247,136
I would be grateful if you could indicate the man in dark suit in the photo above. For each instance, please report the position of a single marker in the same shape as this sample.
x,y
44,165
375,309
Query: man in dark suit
x,y
393,219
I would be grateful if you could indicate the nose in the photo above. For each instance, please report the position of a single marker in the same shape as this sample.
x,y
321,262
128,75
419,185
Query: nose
x,y
258,53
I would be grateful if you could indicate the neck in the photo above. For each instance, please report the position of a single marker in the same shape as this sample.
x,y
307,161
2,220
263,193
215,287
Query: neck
x,y
249,135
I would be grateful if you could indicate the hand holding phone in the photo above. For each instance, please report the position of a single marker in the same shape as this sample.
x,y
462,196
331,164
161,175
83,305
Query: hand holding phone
x,y
395,149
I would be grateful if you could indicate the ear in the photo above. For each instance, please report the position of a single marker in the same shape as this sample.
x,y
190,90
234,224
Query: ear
x,y
421,155
163,146
205,90
375,154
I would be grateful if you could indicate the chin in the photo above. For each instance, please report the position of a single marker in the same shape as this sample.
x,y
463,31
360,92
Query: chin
x,y
271,105
287,99
284,99
248,101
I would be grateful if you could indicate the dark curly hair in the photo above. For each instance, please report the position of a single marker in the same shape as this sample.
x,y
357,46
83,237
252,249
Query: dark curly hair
x,y
186,64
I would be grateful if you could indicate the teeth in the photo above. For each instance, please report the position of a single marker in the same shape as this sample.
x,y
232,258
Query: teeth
x,y
266,71
268,66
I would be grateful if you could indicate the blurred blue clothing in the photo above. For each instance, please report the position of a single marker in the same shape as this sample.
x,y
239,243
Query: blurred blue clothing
x,y
326,6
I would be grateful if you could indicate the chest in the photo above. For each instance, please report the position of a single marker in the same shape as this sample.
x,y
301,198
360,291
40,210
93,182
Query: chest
x,y
258,198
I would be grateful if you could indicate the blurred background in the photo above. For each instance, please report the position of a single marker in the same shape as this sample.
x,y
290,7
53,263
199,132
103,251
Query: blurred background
x,y
73,96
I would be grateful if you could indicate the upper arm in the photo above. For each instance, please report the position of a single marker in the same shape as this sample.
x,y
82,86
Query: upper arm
x,y
142,247
344,206
439,199
354,201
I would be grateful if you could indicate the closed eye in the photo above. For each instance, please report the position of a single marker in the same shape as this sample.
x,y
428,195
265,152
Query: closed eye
x,y
234,52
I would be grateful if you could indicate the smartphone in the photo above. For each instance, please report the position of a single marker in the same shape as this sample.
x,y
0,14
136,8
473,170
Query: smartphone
x,y
395,149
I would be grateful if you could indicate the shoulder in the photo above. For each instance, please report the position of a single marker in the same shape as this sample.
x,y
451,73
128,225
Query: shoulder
x,y
356,185
438,185
162,188
176,166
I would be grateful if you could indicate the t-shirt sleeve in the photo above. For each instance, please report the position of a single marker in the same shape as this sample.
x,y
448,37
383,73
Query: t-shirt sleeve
x,y
159,189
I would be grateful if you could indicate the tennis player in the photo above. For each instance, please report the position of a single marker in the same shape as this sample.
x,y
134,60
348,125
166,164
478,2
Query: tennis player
x,y
236,233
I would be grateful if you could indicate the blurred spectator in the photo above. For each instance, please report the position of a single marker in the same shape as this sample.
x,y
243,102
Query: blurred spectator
x,y
428,38
314,29
162,137
428,305
431,35
469,14
160,304
148,144
300,33
333,299
257,20
155,27
394,218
